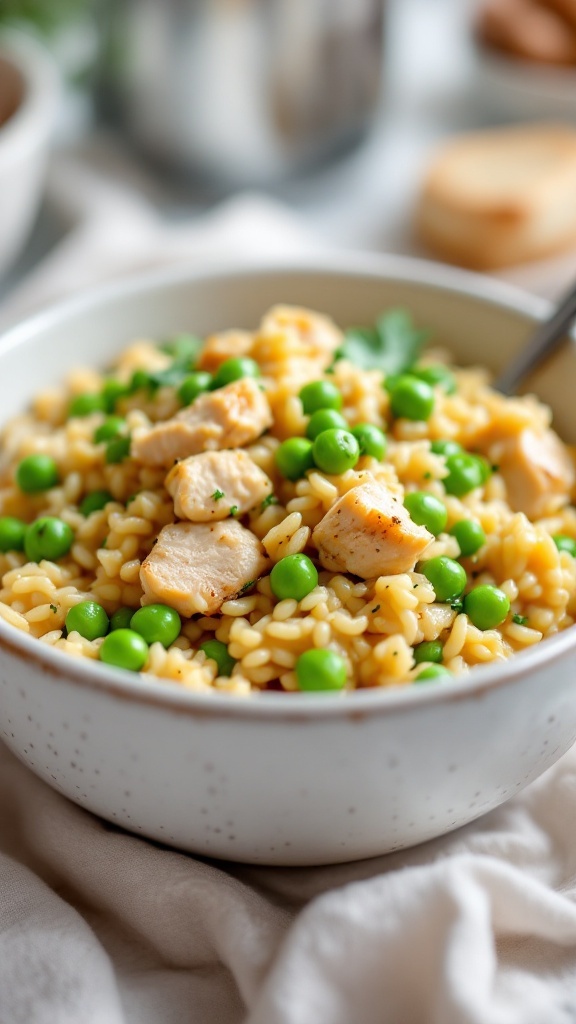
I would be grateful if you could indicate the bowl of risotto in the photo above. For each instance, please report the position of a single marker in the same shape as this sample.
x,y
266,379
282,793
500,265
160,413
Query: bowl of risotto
x,y
283,579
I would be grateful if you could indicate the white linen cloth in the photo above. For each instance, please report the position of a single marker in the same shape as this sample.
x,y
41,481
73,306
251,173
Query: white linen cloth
x,y
98,926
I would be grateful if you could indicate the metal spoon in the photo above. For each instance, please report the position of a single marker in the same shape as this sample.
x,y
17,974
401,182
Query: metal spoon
x,y
545,340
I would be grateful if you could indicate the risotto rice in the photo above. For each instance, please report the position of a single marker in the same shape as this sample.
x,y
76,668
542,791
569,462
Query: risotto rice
x,y
376,624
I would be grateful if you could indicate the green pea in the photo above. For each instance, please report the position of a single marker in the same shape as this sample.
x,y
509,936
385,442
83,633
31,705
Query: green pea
x,y
565,543
320,670
12,533
469,535
89,619
294,576
95,501
113,426
446,447
486,606
139,381
437,375
124,648
391,380
446,576
49,538
429,650
218,652
427,510
485,468
86,404
112,391
411,398
335,451
432,672
234,369
157,623
465,473
193,386
121,618
324,419
294,457
371,439
320,394
117,450
37,473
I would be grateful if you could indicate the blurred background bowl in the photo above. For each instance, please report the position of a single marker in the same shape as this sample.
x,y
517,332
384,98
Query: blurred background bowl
x,y
29,93
242,93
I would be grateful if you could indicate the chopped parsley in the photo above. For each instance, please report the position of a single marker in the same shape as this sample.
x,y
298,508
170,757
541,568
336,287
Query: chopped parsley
x,y
270,500
183,348
246,586
520,620
392,345
217,495
233,510
53,608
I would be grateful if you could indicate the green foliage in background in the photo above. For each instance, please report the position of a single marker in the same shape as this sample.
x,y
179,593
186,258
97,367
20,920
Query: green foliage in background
x,y
46,16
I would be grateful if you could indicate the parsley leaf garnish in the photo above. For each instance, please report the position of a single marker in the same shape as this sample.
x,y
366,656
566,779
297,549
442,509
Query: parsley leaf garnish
x,y
233,510
183,347
246,586
171,377
392,345
520,620
53,608
270,500
217,495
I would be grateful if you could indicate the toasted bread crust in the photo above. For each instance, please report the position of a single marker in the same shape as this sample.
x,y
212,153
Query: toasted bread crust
x,y
501,197
542,31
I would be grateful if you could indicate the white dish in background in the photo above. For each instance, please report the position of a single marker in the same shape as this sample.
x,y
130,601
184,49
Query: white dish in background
x,y
515,88
285,779
24,138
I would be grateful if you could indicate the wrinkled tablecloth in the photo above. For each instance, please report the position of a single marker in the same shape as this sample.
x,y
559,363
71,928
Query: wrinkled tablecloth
x,y
101,927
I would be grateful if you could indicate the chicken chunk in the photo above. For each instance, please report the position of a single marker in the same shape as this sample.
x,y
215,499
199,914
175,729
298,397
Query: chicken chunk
x,y
226,345
289,336
195,567
537,470
206,487
227,418
368,532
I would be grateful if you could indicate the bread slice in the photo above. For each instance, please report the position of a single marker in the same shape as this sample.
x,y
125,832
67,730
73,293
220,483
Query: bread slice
x,y
529,31
500,197
565,8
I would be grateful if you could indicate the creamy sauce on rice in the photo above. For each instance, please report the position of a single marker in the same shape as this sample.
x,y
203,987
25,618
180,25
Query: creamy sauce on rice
x,y
146,538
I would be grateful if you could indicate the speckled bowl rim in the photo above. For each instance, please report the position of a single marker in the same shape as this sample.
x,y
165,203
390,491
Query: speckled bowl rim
x,y
278,706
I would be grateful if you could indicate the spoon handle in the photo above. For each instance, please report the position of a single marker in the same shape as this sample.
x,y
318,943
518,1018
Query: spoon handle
x,y
545,340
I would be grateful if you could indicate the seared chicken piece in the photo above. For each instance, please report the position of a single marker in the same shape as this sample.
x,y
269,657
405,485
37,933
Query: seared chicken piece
x,y
227,418
289,334
368,532
195,567
206,487
226,345
537,470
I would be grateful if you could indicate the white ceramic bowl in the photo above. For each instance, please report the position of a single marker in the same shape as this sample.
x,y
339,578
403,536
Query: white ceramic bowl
x,y
25,68
285,779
